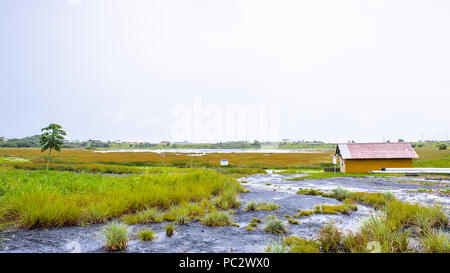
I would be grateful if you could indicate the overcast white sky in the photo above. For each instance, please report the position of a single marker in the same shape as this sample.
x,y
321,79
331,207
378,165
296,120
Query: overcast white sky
x,y
365,70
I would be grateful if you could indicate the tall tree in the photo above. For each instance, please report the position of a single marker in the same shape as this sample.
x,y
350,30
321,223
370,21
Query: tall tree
x,y
52,138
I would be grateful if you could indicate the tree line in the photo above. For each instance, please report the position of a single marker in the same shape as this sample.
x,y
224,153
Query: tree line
x,y
33,142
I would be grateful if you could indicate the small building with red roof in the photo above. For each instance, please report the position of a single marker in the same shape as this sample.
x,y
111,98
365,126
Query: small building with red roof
x,y
368,157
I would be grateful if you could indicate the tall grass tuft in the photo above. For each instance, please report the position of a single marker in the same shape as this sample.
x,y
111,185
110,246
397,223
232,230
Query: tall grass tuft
x,y
146,235
227,200
252,206
150,215
341,194
391,239
276,246
436,242
116,236
330,239
300,245
215,219
268,206
170,230
275,225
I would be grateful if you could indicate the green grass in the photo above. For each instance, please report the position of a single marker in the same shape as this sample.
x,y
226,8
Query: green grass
x,y
292,244
170,229
401,215
335,209
436,242
181,219
300,245
432,157
146,235
391,230
309,192
150,215
251,206
305,213
332,240
218,218
268,206
255,220
54,199
375,200
116,236
326,175
253,224
227,200
276,246
380,230
275,225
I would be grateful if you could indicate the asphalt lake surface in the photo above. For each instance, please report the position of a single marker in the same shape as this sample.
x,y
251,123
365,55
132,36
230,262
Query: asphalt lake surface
x,y
272,187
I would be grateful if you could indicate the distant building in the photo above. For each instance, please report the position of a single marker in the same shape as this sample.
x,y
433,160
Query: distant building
x,y
367,157
165,142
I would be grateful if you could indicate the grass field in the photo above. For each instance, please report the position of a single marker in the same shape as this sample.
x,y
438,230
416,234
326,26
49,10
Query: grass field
x,y
141,159
431,157
71,193
85,160
53,199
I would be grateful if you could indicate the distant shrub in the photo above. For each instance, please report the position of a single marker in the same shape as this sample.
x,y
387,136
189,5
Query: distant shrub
x,y
442,146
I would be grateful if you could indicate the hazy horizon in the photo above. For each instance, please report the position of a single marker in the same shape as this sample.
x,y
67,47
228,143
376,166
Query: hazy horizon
x,y
324,70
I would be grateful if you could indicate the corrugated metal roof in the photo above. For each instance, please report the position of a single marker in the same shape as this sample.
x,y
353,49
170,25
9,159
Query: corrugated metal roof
x,y
376,150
